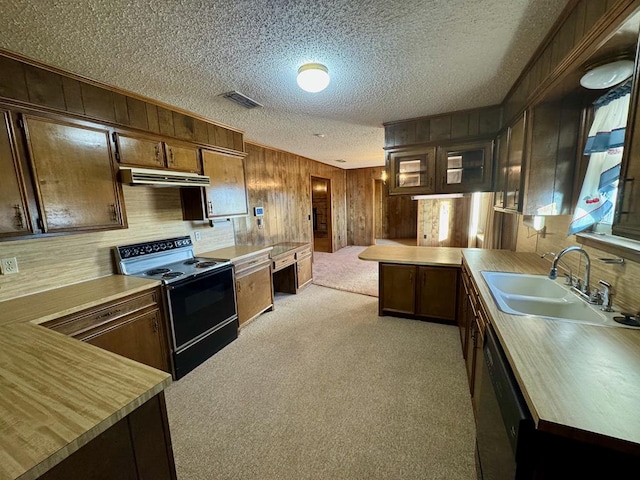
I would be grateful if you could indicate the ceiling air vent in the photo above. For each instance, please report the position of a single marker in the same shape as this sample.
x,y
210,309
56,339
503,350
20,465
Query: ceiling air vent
x,y
241,99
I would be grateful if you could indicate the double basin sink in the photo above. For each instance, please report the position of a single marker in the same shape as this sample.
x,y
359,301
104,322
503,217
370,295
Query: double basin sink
x,y
538,295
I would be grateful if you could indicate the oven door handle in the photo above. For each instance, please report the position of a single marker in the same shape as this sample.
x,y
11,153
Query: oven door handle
x,y
196,278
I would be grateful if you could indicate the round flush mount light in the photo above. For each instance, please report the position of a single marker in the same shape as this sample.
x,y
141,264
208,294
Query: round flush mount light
x,y
607,75
313,77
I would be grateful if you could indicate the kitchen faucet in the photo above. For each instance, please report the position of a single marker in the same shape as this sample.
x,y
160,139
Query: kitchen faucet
x,y
553,273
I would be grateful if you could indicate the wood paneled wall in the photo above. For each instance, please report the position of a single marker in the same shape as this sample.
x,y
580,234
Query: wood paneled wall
x,y
438,129
456,213
26,82
581,21
281,183
624,278
398,214
152,213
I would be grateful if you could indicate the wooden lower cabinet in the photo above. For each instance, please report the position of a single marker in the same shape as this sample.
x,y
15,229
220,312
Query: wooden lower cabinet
x,y
292,266
419,291
138,447
254,288
133,327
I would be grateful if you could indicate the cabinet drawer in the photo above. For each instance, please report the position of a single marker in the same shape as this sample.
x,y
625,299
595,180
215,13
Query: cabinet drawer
x,y
80,323
304,252
283,261
251,263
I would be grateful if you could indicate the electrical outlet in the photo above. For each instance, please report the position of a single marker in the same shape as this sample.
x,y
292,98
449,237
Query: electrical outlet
x,y
8,265
197,236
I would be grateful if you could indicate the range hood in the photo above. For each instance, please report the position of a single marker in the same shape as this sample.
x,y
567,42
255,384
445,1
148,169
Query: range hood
x,y
162,178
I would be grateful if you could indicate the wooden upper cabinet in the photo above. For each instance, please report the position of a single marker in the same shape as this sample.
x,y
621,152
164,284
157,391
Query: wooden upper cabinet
x,y
182,157
465,168
14,214
74,174
552,141
148,151
227,194
412,172
502,166
513,193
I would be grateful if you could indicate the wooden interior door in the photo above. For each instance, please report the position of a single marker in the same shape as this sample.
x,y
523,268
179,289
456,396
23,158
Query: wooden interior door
x,y
321,211
75,175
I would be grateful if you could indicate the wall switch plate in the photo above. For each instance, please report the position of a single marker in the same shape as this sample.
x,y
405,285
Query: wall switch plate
x,y
197,236
8,266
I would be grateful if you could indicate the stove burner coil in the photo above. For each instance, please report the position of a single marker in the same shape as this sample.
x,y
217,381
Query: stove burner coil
x,y
191,261
172,274
157,271
205,264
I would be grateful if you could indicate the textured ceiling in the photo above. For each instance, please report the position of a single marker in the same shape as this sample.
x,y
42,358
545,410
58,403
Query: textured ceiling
x,y
388,60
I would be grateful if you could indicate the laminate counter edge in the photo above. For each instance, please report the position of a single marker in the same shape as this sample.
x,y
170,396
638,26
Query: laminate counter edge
x,y
434,256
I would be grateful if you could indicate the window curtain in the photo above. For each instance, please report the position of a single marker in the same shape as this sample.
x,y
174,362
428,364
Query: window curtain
x,y
604,146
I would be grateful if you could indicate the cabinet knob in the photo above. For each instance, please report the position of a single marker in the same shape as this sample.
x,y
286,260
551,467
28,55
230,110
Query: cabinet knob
x,y
155,325
171,161
157,151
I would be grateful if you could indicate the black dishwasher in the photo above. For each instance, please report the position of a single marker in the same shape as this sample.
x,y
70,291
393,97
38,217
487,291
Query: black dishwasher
x,y
504,426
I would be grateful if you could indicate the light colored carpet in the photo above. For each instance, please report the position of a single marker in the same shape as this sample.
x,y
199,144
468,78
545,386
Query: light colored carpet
x,y
343,270
410,242
323,388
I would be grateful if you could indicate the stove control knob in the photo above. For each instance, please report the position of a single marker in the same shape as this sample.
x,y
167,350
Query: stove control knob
x,y
148,249
156,247
126,253
136,251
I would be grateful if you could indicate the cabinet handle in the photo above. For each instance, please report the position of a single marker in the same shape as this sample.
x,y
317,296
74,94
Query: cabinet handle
x,y
444,178
626,195
110,313
171,156
157,150
155,325
113,211
210,207
19,218
237,287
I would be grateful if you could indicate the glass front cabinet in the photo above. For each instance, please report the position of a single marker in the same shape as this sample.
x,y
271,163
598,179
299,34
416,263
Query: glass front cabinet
x,y
465,168
412,172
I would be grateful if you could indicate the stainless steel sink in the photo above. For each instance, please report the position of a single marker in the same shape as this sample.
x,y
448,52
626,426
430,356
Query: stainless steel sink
x,y
538,295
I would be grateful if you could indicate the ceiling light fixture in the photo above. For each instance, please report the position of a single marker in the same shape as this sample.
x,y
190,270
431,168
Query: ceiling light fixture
x,y
313,77
607,75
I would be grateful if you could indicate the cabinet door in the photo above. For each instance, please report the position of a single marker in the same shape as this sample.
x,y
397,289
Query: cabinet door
x,y
465,168
397,288
140,338
502,156
254,293
75,175
472,346
227,195
412,172
513,197
14,216
304,271
182,157
142,151
437,289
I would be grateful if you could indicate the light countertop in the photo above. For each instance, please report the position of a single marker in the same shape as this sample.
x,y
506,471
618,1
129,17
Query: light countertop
x,y
50,304
59,393
435,256
580,381
236,253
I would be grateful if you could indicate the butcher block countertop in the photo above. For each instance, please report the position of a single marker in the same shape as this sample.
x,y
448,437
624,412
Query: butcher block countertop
x,y
435,256
50,304
580,381
59,393
236,253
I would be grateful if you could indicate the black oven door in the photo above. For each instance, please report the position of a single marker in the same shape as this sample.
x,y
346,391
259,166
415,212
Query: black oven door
x,y
201,304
